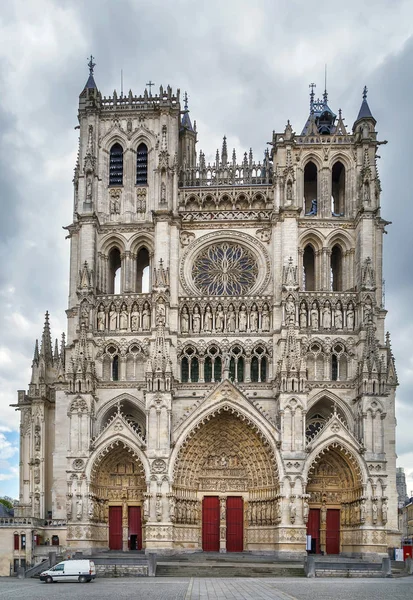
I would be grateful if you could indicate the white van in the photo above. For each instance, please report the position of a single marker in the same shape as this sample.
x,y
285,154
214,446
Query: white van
x,y
70,570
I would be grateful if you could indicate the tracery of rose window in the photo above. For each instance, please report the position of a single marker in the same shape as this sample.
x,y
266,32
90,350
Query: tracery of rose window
x,y
225,269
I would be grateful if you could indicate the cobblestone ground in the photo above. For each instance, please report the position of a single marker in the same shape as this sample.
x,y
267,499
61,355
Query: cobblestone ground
x,y
212,589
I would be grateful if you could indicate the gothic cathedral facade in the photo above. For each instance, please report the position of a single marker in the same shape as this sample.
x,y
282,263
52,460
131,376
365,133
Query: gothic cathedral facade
x,y
226,383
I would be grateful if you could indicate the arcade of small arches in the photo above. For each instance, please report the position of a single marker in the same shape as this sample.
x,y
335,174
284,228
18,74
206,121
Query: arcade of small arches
x,y
326,267
226,201
208,366
125,271
127,364
225,316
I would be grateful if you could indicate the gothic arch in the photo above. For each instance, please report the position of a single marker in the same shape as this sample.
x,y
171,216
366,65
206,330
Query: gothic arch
x,y
335,399
340,157
348,452
112,241
313,238
226,398
142,136
340,238
122,398
225,440
119,442
141,240
314,158
114,136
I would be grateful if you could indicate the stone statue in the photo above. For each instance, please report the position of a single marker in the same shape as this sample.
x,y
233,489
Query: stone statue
x,y
37,439
368,311
172,506
101,317
223,508
68,508
184,320
226,365
208,320
293,510
219,318
231,322
306,510
113,318
289,191
36,507
242,323
158,508
374,511
313,210
123,317
265,319
89,190
254,318
146,508
146,317
384,508
196,320
303,315
134,318
91,509
338,316
327,315
160,313
290,310
323,513
314,316
363,511
350,316
79,508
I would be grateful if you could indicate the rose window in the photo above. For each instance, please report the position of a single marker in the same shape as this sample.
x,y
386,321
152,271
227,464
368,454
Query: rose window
x,y
225,269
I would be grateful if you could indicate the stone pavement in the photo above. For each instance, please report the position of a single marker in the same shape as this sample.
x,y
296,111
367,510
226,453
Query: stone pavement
x,y
211,589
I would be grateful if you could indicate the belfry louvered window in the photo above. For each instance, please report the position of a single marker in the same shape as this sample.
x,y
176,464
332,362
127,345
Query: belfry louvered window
x,y
142,165
116,165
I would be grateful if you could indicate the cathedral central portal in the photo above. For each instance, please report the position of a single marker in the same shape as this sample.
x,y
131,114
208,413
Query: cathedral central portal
x,y
226,485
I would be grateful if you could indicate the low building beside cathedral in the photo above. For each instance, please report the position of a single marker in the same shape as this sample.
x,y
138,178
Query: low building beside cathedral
x,y
226,383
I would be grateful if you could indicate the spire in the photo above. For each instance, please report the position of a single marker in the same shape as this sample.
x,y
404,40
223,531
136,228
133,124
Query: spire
x,y
90,83
36,352
224,153
46,345
365,112
186,121
56,351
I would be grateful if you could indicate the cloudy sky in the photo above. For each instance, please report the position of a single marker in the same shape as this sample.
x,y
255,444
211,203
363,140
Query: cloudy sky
x,y
246,67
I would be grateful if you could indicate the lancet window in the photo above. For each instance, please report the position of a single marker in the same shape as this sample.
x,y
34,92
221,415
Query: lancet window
x,y
338,363
336,269
259,365
213,365
115,272
142,164
236,364
116,165
309,268
111,370
142,271
310,187
338,189
189,366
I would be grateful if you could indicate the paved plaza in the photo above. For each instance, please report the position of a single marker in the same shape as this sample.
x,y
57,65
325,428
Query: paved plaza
x,y
211,589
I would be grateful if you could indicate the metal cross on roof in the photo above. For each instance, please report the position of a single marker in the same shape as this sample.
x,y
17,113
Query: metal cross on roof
x,y
312,86
186,101
365,93
150,84
91,64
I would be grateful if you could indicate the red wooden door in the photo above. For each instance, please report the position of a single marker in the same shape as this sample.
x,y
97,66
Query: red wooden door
x,y
115,528
313,529
235,524
333,531
135,527
210,524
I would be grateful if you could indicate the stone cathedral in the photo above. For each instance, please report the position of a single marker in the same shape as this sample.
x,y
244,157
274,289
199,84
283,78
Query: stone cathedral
x,y
226,383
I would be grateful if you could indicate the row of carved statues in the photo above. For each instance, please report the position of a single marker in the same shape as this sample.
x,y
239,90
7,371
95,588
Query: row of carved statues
x,y
229,319
135,318
324,314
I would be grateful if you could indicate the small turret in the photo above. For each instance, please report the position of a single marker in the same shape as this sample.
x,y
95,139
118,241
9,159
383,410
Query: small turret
x,y
187,138
365,123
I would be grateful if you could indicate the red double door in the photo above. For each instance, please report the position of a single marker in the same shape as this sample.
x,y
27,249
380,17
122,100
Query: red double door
x,y
211,523
332,530
134,525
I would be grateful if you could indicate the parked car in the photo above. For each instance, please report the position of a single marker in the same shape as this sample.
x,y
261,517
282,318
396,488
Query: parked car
x,y
70,570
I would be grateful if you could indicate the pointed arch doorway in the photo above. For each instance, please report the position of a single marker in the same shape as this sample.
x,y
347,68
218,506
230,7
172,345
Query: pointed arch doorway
x,y
335,498
117,487
226,484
